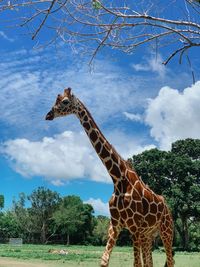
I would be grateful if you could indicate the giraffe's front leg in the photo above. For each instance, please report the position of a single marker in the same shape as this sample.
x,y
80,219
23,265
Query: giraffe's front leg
x,y
147,251
113,233
137,254
137,249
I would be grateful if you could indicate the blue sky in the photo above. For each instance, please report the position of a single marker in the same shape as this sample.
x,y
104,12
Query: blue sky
x,y
136,101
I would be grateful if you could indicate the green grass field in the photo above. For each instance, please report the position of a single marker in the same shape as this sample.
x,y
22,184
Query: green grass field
x,y
87,256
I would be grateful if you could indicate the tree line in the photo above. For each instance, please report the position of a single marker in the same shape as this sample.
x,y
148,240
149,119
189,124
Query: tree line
x,y
46,217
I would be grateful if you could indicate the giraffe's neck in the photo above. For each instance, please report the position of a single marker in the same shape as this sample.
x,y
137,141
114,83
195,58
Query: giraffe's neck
x,y
108,155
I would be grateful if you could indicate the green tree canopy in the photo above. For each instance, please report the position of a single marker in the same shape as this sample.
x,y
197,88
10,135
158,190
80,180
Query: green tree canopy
x,y
101,230
43,204
74,218
1,201
36,219
9,226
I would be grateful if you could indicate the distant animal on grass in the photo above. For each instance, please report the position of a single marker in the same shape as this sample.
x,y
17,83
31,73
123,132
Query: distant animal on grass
x,y
58,251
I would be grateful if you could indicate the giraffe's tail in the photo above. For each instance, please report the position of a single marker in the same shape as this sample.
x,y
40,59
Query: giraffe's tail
x,y
173,253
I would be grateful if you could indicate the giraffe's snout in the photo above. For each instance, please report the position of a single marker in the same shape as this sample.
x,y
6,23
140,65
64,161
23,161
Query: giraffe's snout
x,y
50,115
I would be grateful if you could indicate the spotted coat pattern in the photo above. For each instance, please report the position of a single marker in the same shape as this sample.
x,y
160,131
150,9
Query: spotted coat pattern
x,y
133,205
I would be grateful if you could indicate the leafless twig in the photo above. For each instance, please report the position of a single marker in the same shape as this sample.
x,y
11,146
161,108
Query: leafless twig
x,y
97,24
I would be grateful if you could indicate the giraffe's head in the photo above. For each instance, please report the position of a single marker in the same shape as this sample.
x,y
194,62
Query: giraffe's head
x,y
65,104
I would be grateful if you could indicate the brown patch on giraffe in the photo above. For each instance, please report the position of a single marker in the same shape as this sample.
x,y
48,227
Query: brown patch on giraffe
x,y
114,158
160,207
129,212
137,218
145,224
101,140
133,229
108,164
83,114
158,215
153,208
145,205
139,207
104,153
115,171
127,200
98,147
114,213
133,206
138,186
148,195
129,188
93,136
120,203
129,222
131,176
85,118
86,125
150,219
126,187
123,214
115,222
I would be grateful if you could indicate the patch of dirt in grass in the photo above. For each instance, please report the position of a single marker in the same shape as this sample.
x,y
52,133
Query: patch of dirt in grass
x,y
10,262
7,262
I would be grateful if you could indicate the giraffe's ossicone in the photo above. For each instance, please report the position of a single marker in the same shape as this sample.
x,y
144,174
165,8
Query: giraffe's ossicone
x,y
133,205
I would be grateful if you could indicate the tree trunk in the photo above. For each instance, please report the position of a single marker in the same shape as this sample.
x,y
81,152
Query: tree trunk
x,y
185,234
43,233
68,239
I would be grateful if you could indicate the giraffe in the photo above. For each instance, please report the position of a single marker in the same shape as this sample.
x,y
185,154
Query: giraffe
x,y
133,205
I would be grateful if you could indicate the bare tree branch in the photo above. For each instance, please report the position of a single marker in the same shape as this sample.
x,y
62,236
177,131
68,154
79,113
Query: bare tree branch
x,y
44,20
122,25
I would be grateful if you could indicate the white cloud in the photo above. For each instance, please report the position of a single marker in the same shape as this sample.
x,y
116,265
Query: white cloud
x,y
133,117
128,145
100,207
29,84
5,37
153,64
60,158
66,156
174,115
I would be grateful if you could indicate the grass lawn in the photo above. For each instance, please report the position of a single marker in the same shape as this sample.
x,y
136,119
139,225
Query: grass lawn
x,y
83,256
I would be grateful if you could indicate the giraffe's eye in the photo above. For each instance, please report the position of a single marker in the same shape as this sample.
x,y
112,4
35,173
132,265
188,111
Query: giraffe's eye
x,y
65,101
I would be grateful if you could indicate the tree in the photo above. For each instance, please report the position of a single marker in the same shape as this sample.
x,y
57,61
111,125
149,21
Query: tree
x,y
101,230
22,217
153,166
74,219
184,195
175,174
85,233
9,226
122,25
35,221
43,204
1,201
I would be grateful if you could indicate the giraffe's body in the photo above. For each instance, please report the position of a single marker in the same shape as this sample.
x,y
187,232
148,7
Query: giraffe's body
x,y
133,205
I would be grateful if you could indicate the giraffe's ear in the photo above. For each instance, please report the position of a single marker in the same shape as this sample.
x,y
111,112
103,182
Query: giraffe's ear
x,y
67,92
